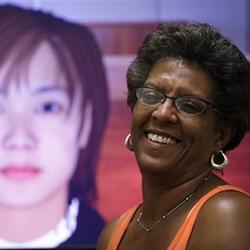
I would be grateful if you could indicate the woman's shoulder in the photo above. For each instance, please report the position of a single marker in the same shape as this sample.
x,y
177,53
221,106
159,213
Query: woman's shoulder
x,y
227,202
224,221
106,234
229,205
116,228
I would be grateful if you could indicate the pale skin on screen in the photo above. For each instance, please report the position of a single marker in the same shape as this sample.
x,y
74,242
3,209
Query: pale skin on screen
x,y
41,132
171,172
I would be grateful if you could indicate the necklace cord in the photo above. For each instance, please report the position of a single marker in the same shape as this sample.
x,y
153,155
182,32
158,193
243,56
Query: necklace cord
x,y
172,210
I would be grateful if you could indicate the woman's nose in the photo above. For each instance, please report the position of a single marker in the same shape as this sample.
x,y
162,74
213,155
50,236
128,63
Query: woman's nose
x,y
19,136
166,111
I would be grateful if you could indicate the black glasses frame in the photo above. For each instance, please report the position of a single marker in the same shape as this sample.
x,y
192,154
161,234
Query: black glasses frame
x,y
164,97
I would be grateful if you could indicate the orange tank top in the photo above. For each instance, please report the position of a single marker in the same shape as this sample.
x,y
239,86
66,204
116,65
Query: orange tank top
x,y
182,236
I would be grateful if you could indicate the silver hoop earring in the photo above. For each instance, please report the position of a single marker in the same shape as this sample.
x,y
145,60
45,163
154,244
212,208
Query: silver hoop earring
x,y
129,145
222,158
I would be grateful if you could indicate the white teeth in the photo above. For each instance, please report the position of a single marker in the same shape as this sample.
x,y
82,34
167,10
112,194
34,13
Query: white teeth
x,y
160,139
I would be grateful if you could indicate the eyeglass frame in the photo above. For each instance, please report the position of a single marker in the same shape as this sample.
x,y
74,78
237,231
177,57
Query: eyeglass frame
x,y
165,97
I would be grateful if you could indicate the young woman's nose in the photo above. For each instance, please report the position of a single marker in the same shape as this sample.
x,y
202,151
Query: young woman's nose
x,y
19,135
165,111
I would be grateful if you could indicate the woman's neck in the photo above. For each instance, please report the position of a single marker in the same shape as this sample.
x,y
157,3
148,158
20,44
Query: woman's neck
x,y
28,223
159,199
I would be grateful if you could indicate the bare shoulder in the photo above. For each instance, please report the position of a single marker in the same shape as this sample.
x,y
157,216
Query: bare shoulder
x,y
223,223
106,234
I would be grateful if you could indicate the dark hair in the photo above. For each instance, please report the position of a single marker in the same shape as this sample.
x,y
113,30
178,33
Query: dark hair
x,y
22,31
205,46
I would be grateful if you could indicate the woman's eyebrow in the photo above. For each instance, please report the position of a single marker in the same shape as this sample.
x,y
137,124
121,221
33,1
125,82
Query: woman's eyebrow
x,y
4,91
49,89
148,84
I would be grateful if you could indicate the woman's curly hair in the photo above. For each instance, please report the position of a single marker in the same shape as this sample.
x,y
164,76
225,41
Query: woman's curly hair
x,y
206,47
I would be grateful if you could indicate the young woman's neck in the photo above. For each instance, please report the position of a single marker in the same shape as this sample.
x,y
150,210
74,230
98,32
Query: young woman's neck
x,y
28,223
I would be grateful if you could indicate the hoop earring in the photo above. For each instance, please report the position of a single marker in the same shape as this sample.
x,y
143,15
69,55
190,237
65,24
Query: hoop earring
x,y
223,164
129,145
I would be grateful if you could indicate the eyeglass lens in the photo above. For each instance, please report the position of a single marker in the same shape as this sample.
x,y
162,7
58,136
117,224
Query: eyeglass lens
x,y
153,98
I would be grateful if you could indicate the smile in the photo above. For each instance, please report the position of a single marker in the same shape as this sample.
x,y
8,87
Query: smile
x,y
161,139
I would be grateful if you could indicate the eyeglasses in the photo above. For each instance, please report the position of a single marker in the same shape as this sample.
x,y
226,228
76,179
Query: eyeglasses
x,y
190,105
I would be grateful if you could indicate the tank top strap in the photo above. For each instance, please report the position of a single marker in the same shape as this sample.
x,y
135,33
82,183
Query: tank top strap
x,y
121,227
180,240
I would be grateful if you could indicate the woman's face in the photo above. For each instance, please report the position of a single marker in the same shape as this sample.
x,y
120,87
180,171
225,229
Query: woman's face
x,y
165,140
39,132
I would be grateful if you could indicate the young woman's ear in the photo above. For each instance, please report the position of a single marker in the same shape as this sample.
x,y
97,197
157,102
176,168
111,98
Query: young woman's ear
x,y
86,126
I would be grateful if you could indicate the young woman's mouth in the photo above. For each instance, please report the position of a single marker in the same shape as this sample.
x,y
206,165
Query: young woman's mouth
x,y
20,172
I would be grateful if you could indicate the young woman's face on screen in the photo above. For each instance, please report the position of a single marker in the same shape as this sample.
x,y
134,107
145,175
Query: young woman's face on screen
x,y
40,132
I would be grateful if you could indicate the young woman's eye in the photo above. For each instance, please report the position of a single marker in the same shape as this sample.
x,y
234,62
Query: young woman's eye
x,y
49,107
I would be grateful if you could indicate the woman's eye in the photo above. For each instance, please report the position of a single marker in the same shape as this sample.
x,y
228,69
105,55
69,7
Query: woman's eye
x,y
49,107
191,106
152,96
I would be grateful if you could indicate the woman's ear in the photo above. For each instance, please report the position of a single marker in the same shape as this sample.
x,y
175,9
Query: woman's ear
x,y
226,133
87,122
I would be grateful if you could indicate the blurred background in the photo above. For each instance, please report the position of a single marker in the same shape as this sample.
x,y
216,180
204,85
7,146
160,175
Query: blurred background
x,y
120,26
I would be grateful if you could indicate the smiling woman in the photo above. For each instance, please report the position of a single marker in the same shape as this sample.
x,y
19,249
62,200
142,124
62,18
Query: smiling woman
x,y
49,140
189,93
